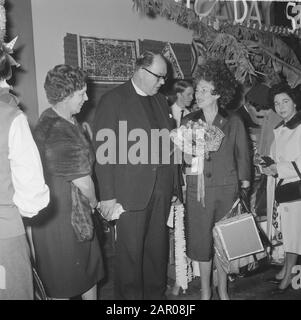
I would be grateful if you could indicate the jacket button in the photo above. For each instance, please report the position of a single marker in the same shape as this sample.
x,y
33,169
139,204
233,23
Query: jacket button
x,y
208,175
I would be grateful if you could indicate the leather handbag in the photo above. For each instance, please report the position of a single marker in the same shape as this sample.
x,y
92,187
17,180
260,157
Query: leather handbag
x,y
81,215
289,192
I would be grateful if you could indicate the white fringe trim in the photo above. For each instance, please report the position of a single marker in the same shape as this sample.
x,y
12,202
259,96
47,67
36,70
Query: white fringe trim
x,y
182,263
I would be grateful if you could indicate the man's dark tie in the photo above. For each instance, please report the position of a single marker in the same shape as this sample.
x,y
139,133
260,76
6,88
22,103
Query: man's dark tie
x,y
183,162
182,116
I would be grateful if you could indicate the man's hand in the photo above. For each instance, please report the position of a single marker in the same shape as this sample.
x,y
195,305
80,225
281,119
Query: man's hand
x,y
270,171
175,201
107,208
245,184
244,192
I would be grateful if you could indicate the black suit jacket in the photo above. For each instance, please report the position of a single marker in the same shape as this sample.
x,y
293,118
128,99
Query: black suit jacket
x,y
131,184
246,118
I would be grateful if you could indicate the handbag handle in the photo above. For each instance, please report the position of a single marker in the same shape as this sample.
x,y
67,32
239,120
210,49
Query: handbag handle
x,y
297,170
230,212
235,204
263,237
242,202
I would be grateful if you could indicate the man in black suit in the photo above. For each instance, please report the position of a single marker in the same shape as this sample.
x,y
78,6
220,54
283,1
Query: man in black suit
x,y
132,173
260,120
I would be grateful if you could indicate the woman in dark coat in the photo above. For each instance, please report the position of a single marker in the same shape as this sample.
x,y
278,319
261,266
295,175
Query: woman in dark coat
x,y
67,267
225,170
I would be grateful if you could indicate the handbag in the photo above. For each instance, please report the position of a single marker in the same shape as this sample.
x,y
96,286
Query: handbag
x,y
81,218
290,191
236,236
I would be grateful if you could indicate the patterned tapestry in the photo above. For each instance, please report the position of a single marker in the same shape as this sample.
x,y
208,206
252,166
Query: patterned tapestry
x,y
107,60
170,55
198,51
179,55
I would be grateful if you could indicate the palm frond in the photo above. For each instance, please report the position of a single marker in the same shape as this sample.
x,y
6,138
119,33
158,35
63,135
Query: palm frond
x,y
235,54
248,52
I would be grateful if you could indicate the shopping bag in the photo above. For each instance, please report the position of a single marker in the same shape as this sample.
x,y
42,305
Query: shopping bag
x,y
236,236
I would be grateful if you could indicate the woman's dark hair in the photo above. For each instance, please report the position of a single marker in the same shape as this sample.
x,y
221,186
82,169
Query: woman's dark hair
x,y
62,81
284,88
5,65
217,72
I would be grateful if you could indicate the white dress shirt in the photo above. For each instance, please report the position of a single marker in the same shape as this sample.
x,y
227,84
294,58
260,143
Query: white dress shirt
x,y
31,193
176,113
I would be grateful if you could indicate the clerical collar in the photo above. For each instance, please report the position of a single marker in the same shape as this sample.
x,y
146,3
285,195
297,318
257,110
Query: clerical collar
x,y
4,84
138,90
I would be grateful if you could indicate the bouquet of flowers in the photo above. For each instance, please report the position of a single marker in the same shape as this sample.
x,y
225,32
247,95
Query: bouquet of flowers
x,y
197,138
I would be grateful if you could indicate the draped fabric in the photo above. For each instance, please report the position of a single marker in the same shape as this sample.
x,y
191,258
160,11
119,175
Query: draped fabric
x,y
62,147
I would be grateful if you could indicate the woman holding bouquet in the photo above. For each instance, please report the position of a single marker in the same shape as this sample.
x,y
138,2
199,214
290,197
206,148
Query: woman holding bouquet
x,y
224,173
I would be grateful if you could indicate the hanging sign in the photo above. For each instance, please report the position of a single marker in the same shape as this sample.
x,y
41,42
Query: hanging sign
x,y
239,11
293,13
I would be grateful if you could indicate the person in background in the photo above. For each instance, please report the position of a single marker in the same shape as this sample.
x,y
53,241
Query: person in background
x,y
226,171
23,192
143,187
183,95
285,149
67,267
259,117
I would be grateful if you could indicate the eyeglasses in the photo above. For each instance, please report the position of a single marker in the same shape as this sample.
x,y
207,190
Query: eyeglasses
x,y
156,75
204,90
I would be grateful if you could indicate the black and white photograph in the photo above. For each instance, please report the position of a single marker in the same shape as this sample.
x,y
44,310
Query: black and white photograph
x,y
150,153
